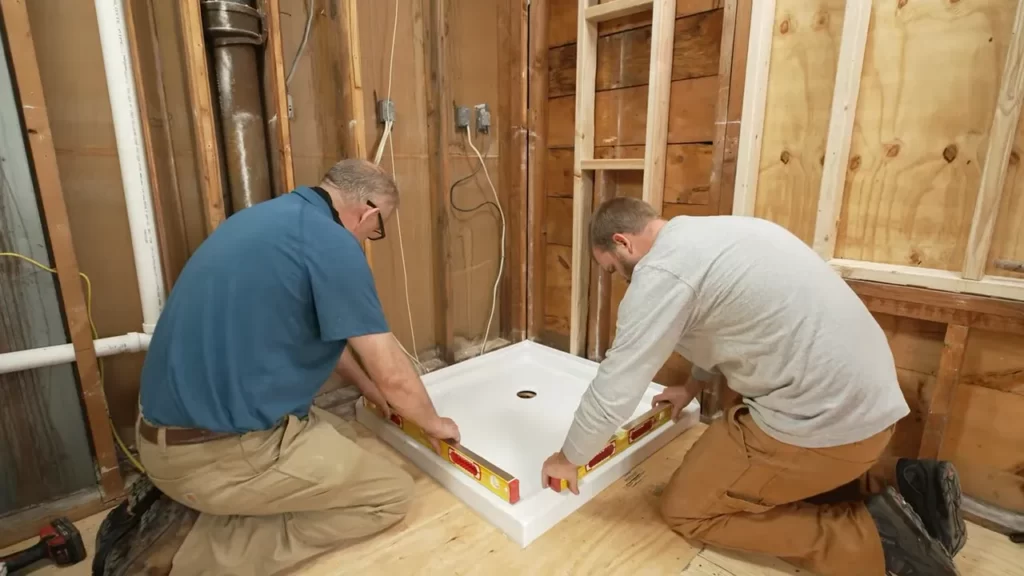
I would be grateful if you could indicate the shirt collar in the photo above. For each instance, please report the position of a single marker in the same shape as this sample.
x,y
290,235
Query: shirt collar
x,y
319,199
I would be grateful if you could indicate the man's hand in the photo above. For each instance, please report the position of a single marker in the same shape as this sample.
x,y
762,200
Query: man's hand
x,y
443,429
559,468
679,396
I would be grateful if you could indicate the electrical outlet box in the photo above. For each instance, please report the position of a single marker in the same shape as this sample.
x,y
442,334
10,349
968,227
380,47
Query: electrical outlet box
x,y
385,111
483,118
462,116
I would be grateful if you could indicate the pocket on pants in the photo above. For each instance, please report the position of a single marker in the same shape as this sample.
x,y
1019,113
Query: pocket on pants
x,y
311,458
742,503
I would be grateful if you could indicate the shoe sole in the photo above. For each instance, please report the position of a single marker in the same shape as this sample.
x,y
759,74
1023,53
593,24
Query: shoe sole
x,y
954,529
938,553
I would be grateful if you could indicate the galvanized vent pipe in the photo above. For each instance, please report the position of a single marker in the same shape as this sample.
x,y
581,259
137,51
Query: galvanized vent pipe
x,y
234,31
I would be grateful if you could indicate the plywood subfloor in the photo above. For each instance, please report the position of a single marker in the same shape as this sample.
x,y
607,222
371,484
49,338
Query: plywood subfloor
x,y
619,532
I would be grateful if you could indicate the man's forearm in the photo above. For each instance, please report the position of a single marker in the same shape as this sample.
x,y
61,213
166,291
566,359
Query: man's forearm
x,y
398,382
352,372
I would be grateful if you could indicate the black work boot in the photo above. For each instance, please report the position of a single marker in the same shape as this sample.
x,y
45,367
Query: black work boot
x,y
909,549
932,487
142,535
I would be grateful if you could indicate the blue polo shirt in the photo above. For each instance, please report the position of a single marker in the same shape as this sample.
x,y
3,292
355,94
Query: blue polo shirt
x,y
258,318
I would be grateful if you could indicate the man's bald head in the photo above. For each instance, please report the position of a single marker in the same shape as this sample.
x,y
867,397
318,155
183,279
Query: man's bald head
x,y
355,181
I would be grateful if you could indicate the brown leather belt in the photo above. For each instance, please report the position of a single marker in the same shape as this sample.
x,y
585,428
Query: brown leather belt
x,y
179,436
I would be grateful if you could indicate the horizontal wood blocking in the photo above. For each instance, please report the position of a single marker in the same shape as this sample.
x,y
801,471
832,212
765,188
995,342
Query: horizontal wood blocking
x,y
614,9
558,223
613,164
996,286
620,116
687,173
562,19
624,59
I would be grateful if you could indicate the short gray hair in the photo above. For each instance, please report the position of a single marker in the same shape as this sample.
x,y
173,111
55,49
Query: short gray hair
x,y
619,216
359,180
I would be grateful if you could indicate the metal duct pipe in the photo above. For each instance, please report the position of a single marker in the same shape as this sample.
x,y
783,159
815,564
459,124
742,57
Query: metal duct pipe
x,y
235,31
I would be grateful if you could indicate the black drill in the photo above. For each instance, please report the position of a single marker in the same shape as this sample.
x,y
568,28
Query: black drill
x,y
59,541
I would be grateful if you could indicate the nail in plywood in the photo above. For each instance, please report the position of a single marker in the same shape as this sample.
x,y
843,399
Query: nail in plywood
x,y
748,157
856,23
204,125
280,95
945,389
37,125
997,157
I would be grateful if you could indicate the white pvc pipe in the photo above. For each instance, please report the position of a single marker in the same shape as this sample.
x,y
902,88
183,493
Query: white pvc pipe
x,y
131,152
65,353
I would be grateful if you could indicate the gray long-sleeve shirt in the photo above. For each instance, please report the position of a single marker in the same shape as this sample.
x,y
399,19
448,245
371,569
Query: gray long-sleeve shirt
x,y
746,298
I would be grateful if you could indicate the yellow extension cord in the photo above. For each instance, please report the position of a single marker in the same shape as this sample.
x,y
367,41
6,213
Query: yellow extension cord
x,y
95,335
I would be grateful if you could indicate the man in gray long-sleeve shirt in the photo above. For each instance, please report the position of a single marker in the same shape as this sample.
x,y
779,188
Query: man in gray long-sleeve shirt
x,y
744,298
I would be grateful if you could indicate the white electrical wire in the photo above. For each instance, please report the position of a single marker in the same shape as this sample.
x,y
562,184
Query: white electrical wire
x,y
386,140
302,44
501,260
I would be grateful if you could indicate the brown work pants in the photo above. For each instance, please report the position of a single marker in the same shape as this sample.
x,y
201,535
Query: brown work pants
x,y
740,489
271,499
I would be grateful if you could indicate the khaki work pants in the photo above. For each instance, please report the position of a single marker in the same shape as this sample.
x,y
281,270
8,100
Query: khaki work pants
x,y
740,489
271,499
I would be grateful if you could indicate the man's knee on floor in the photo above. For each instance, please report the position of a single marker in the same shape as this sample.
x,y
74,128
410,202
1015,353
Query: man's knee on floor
x,y
682,518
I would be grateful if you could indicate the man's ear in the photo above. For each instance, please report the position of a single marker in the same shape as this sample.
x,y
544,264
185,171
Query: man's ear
x,y
368,214
621,240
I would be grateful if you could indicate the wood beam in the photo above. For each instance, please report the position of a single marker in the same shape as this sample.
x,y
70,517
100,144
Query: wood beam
x,y
737,90
43,156
659,91
948,378
759,55
996,286
204,125
599,315
439,122
997,157
583,180
722,105
283,127
513,65
25,523
537,154
854,43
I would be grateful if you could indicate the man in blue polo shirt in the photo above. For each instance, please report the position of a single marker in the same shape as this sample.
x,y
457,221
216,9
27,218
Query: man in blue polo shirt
x,y
278,297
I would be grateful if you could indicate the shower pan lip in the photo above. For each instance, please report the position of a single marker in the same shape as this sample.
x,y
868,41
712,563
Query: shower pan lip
x,y
512,435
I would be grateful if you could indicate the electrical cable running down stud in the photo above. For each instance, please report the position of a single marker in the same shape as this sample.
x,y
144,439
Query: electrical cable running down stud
x,y
95,336
385,140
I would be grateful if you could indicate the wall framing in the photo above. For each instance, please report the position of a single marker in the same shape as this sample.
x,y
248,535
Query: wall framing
x,y
971,279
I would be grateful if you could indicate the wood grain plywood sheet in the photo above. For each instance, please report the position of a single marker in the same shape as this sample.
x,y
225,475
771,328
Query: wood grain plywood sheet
x,y
805,49
562,19
624,59
919,137
411,166
620,116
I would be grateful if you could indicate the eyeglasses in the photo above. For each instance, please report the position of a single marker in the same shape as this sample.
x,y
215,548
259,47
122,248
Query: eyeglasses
x,y
380,224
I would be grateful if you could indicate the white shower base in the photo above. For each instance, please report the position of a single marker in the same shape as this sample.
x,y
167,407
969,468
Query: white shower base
x,y
517,434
